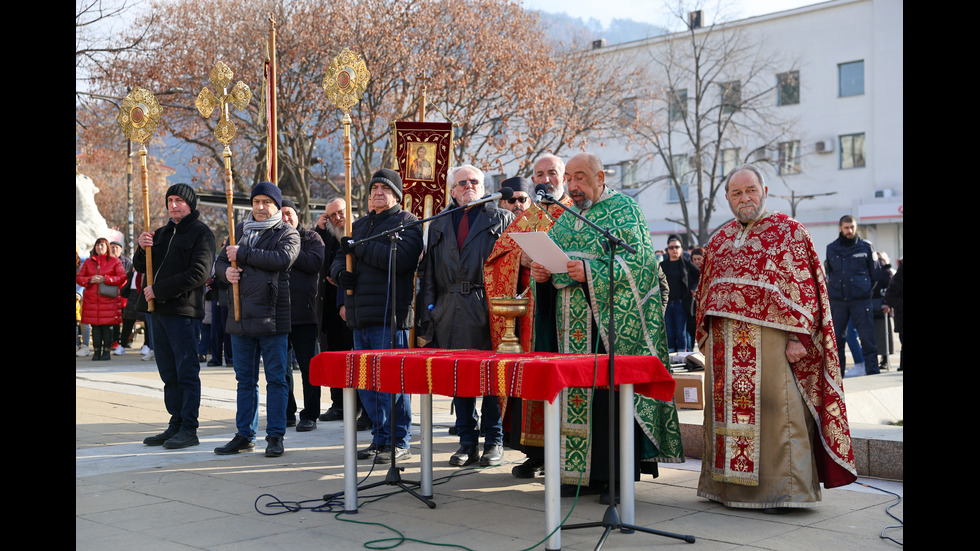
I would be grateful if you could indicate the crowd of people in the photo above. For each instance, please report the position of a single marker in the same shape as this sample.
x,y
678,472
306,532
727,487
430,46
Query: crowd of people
x,y
755,301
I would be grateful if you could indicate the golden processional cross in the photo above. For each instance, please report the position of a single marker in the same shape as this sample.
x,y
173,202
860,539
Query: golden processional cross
x,y
139,116
347,78
239,96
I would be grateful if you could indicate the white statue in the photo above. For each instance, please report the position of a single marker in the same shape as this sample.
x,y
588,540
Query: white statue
x,y
89,224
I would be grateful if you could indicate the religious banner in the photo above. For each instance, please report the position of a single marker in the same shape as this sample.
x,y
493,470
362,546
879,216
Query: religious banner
x,y
423,151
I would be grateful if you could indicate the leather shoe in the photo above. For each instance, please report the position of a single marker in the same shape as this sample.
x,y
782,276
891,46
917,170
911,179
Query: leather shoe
x,y
332,414
305,425
464,456
492,455
274,449
530,468
238,443
364,422
214,363
368,452
182,439
159,439
384,456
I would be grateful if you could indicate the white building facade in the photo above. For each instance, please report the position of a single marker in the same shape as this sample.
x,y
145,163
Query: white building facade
x,y
835,83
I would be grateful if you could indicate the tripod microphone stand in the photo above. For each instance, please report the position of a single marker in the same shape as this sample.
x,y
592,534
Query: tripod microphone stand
x,y
393,477
611,519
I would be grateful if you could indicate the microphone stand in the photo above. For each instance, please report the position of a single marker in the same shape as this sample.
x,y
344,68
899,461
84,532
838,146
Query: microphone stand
x,y
611,519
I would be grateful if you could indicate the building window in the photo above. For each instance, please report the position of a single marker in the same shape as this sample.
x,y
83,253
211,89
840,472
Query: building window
x,y
731,96
789,157
788,85
729,160
681,175
850,78
852,150
678,104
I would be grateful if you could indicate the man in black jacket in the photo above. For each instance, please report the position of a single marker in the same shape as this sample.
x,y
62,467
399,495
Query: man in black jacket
x,y
267,249
183,252
852,274
368,311
304,279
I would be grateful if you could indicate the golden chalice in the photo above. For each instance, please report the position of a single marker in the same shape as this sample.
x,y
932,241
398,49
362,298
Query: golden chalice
x,y
510,308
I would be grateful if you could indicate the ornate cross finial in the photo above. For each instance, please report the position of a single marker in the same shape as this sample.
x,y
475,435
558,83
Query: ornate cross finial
x,y
221,76
139,115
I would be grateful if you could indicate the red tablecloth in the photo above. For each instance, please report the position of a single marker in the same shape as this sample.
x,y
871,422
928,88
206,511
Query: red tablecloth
x,y
533,376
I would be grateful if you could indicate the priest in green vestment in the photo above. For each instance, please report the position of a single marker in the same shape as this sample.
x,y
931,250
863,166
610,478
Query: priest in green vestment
x,y
583,311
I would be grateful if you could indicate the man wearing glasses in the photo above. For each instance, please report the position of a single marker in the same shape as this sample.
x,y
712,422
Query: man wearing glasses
x,y
682,278
521,200
452,301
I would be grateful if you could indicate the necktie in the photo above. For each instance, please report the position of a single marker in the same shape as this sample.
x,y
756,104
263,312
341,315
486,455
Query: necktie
x,y
463,231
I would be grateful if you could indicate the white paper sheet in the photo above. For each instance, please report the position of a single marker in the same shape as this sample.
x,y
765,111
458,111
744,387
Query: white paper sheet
x,y
543,250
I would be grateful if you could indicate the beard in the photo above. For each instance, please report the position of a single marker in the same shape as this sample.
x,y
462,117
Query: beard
x,y
581,201
754,215
337,232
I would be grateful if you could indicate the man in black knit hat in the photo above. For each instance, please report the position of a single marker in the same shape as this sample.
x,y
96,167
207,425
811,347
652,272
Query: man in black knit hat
x,y
368,310
183,252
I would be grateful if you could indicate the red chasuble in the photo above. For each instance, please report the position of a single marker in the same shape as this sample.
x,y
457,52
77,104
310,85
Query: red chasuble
x,y
768,274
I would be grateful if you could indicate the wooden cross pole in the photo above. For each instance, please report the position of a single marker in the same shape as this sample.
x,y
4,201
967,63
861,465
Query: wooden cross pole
x,y
239,96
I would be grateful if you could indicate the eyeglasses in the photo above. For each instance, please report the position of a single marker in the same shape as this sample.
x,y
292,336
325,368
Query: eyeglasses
x,y
337,214
464,183
520,200
674,247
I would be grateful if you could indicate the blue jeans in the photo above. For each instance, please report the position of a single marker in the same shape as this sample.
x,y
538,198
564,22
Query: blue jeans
x,y
247,351
176,358
676,322
467,422
858,311
378,404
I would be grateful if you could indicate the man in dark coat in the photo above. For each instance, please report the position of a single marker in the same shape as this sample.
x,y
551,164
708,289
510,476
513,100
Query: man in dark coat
x,y
369,309
267,249
334,333
183,252
852,273
304,279
454,312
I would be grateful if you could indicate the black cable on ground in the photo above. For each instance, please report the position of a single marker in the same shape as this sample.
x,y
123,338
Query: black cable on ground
x,y
888,511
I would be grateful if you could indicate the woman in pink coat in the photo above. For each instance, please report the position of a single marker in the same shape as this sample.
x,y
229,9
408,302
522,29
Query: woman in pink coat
x,y
100,311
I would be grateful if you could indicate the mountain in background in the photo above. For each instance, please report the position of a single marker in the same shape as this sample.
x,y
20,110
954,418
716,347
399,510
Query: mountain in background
x,y
561,26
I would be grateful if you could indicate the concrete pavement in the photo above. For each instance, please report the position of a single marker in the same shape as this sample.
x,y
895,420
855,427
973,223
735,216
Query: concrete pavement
x,y
130,496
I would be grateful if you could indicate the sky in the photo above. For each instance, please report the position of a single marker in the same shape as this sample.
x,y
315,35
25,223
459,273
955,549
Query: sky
x,y
654,11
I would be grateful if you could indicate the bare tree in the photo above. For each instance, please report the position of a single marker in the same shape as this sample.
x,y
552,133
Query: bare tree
x,y
713,105
485,66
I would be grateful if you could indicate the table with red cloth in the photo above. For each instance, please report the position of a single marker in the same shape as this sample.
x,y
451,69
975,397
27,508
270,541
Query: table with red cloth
x,y
531,376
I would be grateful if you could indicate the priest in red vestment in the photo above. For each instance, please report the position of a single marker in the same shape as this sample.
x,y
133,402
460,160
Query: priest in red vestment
x,y
507,273
775,425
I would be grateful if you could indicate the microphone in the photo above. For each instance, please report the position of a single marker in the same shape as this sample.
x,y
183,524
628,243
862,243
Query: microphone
x,y
504,193
541,190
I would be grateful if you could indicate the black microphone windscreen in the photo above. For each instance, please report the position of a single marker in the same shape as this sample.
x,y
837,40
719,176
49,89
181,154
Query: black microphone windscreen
x,y
541,189
506,193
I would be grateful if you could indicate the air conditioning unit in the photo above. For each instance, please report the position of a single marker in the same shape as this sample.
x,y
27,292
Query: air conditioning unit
x,y
762,155
601,43
884,193
825,146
